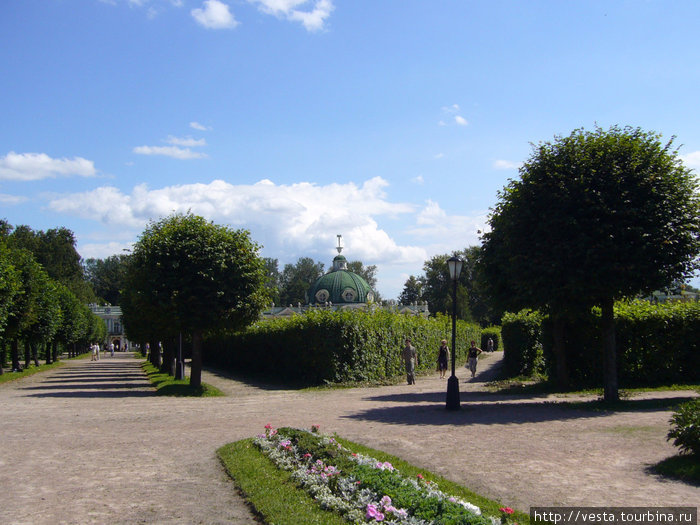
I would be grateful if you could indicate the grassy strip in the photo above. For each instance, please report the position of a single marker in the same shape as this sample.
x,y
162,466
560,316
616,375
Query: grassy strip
x,y
685,467
276,498
6,377
167,385
269,490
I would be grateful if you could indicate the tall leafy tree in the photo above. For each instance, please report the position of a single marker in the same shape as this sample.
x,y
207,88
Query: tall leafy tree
x,y
272,279
596,216
107,277
297,278
201,277
412,291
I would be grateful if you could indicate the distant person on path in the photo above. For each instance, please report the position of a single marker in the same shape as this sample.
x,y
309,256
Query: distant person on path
x,y
111,349
93,347
410,357
489,345
472,357
443,357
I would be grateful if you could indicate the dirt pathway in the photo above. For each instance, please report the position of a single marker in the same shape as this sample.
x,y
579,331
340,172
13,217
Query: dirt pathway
x,y
90,443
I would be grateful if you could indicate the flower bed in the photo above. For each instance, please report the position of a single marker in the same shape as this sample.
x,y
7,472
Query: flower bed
x,y
361,488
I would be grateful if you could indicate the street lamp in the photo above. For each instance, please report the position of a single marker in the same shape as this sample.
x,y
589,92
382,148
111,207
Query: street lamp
x,y
454,264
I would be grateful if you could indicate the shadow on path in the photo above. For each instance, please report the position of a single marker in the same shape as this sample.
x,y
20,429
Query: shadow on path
x,y
111,377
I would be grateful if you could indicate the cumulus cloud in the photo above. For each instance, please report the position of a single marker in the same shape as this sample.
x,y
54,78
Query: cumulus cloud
x,y
170,151
10,200
313,18
199,127
434,223
506,165
214,15
296,219
692,160
38,166
460,120
188,142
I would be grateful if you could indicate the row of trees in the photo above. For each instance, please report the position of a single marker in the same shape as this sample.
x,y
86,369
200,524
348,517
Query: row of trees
x,y
43,296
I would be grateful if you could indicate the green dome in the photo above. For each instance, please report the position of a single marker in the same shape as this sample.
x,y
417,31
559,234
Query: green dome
x,y
340,286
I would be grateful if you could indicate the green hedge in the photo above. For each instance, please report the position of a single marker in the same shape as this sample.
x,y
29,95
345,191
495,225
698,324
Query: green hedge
x,y
522,336
656,344
330,347
493,332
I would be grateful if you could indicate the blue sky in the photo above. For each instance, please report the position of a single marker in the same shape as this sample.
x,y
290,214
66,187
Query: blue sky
x,y
391,122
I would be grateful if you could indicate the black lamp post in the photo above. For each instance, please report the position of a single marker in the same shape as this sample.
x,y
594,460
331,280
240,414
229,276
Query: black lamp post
x,y
455,265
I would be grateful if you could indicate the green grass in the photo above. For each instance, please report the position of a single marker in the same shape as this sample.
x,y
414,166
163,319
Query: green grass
x,y
277,500
167,385
11,376
269,491
685,467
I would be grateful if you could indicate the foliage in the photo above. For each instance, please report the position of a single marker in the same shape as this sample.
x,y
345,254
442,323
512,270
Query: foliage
x,y
657,344
412,291
368,273
344,477
685,427
9,285
324,346
272,279
522,334
189,275
107,277
617,204
494,333
296,279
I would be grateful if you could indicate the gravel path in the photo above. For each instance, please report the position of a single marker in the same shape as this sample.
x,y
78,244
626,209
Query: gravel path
x,y
90,443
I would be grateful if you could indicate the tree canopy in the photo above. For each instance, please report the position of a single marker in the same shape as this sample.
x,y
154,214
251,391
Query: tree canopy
x,y
197,277
595,216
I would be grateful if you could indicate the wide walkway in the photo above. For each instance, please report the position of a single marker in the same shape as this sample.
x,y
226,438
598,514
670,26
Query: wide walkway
x,y
90,443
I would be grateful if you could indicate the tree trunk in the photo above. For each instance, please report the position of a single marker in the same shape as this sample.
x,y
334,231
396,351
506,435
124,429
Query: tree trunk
x,y
168,364
155,353
47,353
559,349
2,356
14,352
54,351
35,354
611,393
27,355
196,370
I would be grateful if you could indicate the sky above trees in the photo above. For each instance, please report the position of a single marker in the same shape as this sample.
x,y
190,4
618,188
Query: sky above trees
x,y
393,123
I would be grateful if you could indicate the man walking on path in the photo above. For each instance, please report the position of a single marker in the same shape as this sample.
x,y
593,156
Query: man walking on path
x,y
410,357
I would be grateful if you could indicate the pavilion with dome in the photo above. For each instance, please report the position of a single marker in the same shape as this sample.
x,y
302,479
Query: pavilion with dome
x,y
340,289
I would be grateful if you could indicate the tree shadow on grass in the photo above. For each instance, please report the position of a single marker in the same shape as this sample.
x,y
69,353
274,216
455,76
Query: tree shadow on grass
x,y
682,467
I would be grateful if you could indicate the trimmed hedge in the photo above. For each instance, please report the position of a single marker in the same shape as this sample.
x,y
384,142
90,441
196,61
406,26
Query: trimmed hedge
x,y
657,344
493,332
332,347
522,346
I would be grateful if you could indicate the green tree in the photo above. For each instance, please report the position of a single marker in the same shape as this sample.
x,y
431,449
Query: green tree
x,y
595,217
412,291
368,273
201,277
272,279
9,288
107,277
297,278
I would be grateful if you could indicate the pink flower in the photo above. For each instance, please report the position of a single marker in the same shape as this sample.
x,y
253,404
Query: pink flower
x,y
371,512
506,510
386,501
268,426
307,455
420,476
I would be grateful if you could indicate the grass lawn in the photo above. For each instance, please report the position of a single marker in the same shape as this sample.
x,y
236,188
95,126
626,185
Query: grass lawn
x,y
167,385
11,376
685,467
276,499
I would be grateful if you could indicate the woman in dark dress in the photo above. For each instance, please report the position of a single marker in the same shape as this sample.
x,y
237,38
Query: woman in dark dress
x,y
443,356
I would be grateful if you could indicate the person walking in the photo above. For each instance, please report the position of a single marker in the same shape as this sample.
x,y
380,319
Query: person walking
x,y
443,357
410,357
489,345
472,357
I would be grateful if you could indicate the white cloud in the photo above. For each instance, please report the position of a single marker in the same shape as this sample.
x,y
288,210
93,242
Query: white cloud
x,y
188,142
506,165
312,19
214,15
692,160
170,151
447,232
418,179
38,166
296,219
11,199
198,126
460,120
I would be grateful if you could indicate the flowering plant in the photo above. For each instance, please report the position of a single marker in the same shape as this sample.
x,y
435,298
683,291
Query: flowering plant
x,y
362,488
